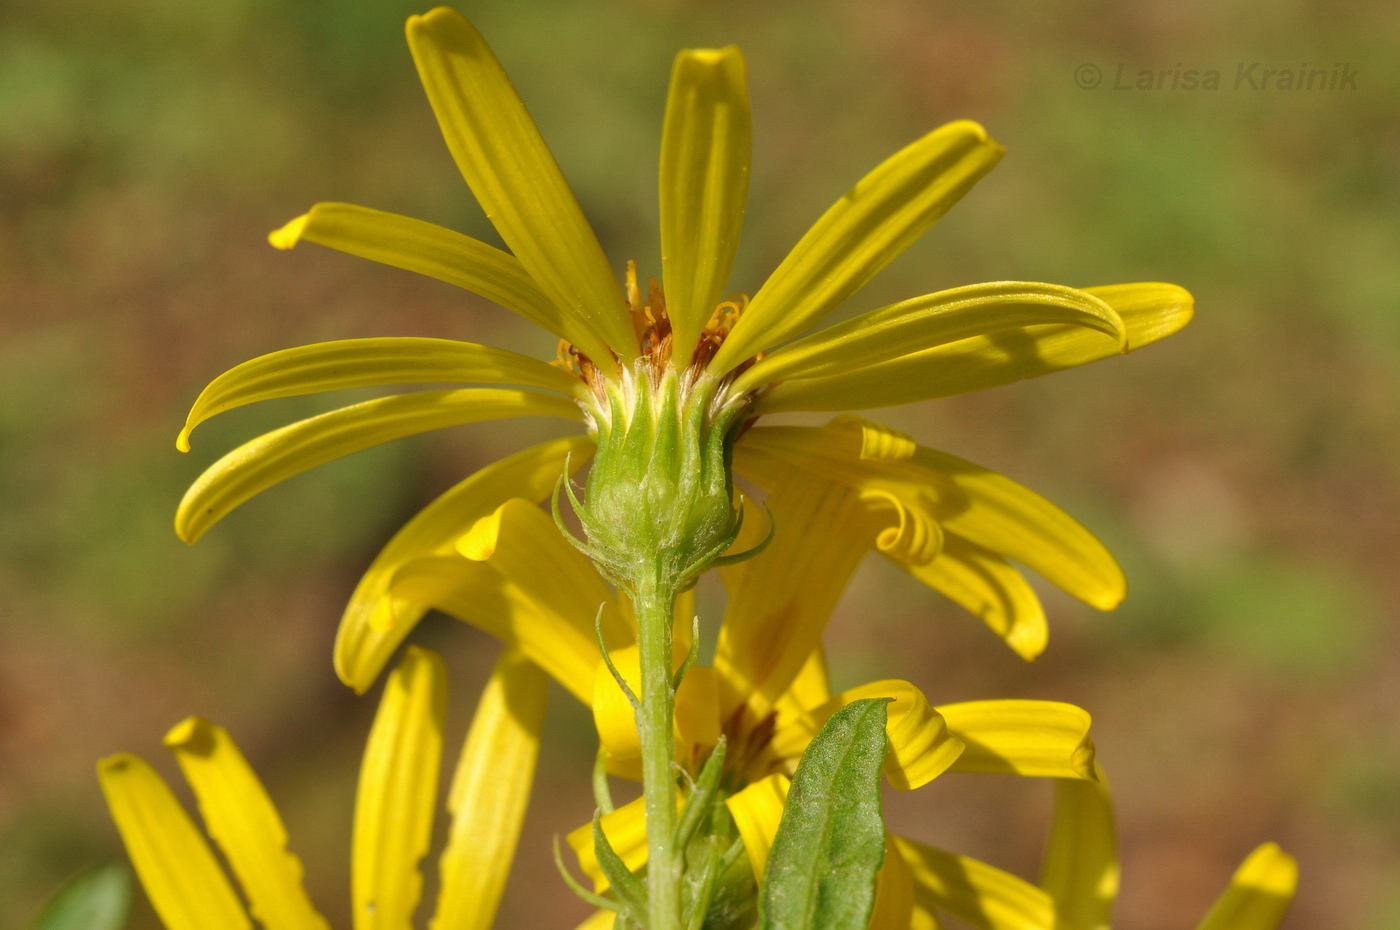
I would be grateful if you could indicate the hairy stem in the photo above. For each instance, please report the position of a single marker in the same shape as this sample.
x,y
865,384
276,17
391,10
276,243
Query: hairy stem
x,y
655,600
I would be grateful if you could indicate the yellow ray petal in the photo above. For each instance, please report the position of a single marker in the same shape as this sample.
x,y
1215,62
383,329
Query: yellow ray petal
x,y
372,627
921,918
977,310
862,232
979,505
696,716
515,178
757,810
781,600
894,892
601,920
626,830
1080,870
705,147
1038,738
811,687
348,363
241,818
990,588
515,577
490,791
397,793
920,745
1149,312
975,893
257,465
1014,521
1259,893
184,882
425,248
477,594
523,544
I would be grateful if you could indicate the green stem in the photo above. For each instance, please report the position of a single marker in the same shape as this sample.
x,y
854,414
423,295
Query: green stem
x,y
655,600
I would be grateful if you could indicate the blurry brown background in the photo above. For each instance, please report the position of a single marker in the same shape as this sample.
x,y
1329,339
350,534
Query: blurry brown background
x,y
1246,471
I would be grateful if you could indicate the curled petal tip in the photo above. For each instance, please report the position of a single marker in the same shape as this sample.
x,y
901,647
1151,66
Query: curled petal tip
x,y
115,763
288,236
182,441
426,20
189,733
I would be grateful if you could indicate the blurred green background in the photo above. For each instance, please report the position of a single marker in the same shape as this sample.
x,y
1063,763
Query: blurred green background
x,y
1246,471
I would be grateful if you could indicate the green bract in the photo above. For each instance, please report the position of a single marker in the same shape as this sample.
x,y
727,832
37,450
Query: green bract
x,y
659,500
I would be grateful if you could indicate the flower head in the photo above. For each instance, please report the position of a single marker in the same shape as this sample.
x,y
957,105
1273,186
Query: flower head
x,y
663,383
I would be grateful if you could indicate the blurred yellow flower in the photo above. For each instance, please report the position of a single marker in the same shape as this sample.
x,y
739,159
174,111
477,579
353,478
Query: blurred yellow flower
x,y
394,812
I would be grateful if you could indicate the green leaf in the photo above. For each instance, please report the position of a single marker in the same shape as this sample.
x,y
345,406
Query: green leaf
x,y
96,900
831,843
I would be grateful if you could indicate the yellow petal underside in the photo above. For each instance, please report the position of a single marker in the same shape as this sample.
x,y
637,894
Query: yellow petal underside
x,y
697,719
1259,893
186,886
350,363
1007,518
894,892
427,249
861,233
515,178
780,600
975,503
371,628
945,317
273,457
523,544
490,792
626,830
1080,870
1149,312
705,147
397,793
243,821
477,594
601,920
757,810
526,586
1039,738
919,749
990,588
811,687
977,894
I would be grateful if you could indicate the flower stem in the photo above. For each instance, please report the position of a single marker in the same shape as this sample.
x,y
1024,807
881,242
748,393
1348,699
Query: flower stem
x,y
655,599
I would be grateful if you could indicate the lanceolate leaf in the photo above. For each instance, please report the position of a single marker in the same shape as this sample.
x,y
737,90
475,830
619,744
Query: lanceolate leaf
x,y
831,842
95,900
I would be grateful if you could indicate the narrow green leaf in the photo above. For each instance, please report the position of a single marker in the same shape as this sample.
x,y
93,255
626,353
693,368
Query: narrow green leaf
x,y
628,887
831,843
96,900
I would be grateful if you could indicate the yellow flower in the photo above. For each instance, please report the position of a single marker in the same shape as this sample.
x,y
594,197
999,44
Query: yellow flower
x,y
616,341
393,812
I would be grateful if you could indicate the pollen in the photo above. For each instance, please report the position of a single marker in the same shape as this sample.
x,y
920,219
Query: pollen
x,y
652,325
